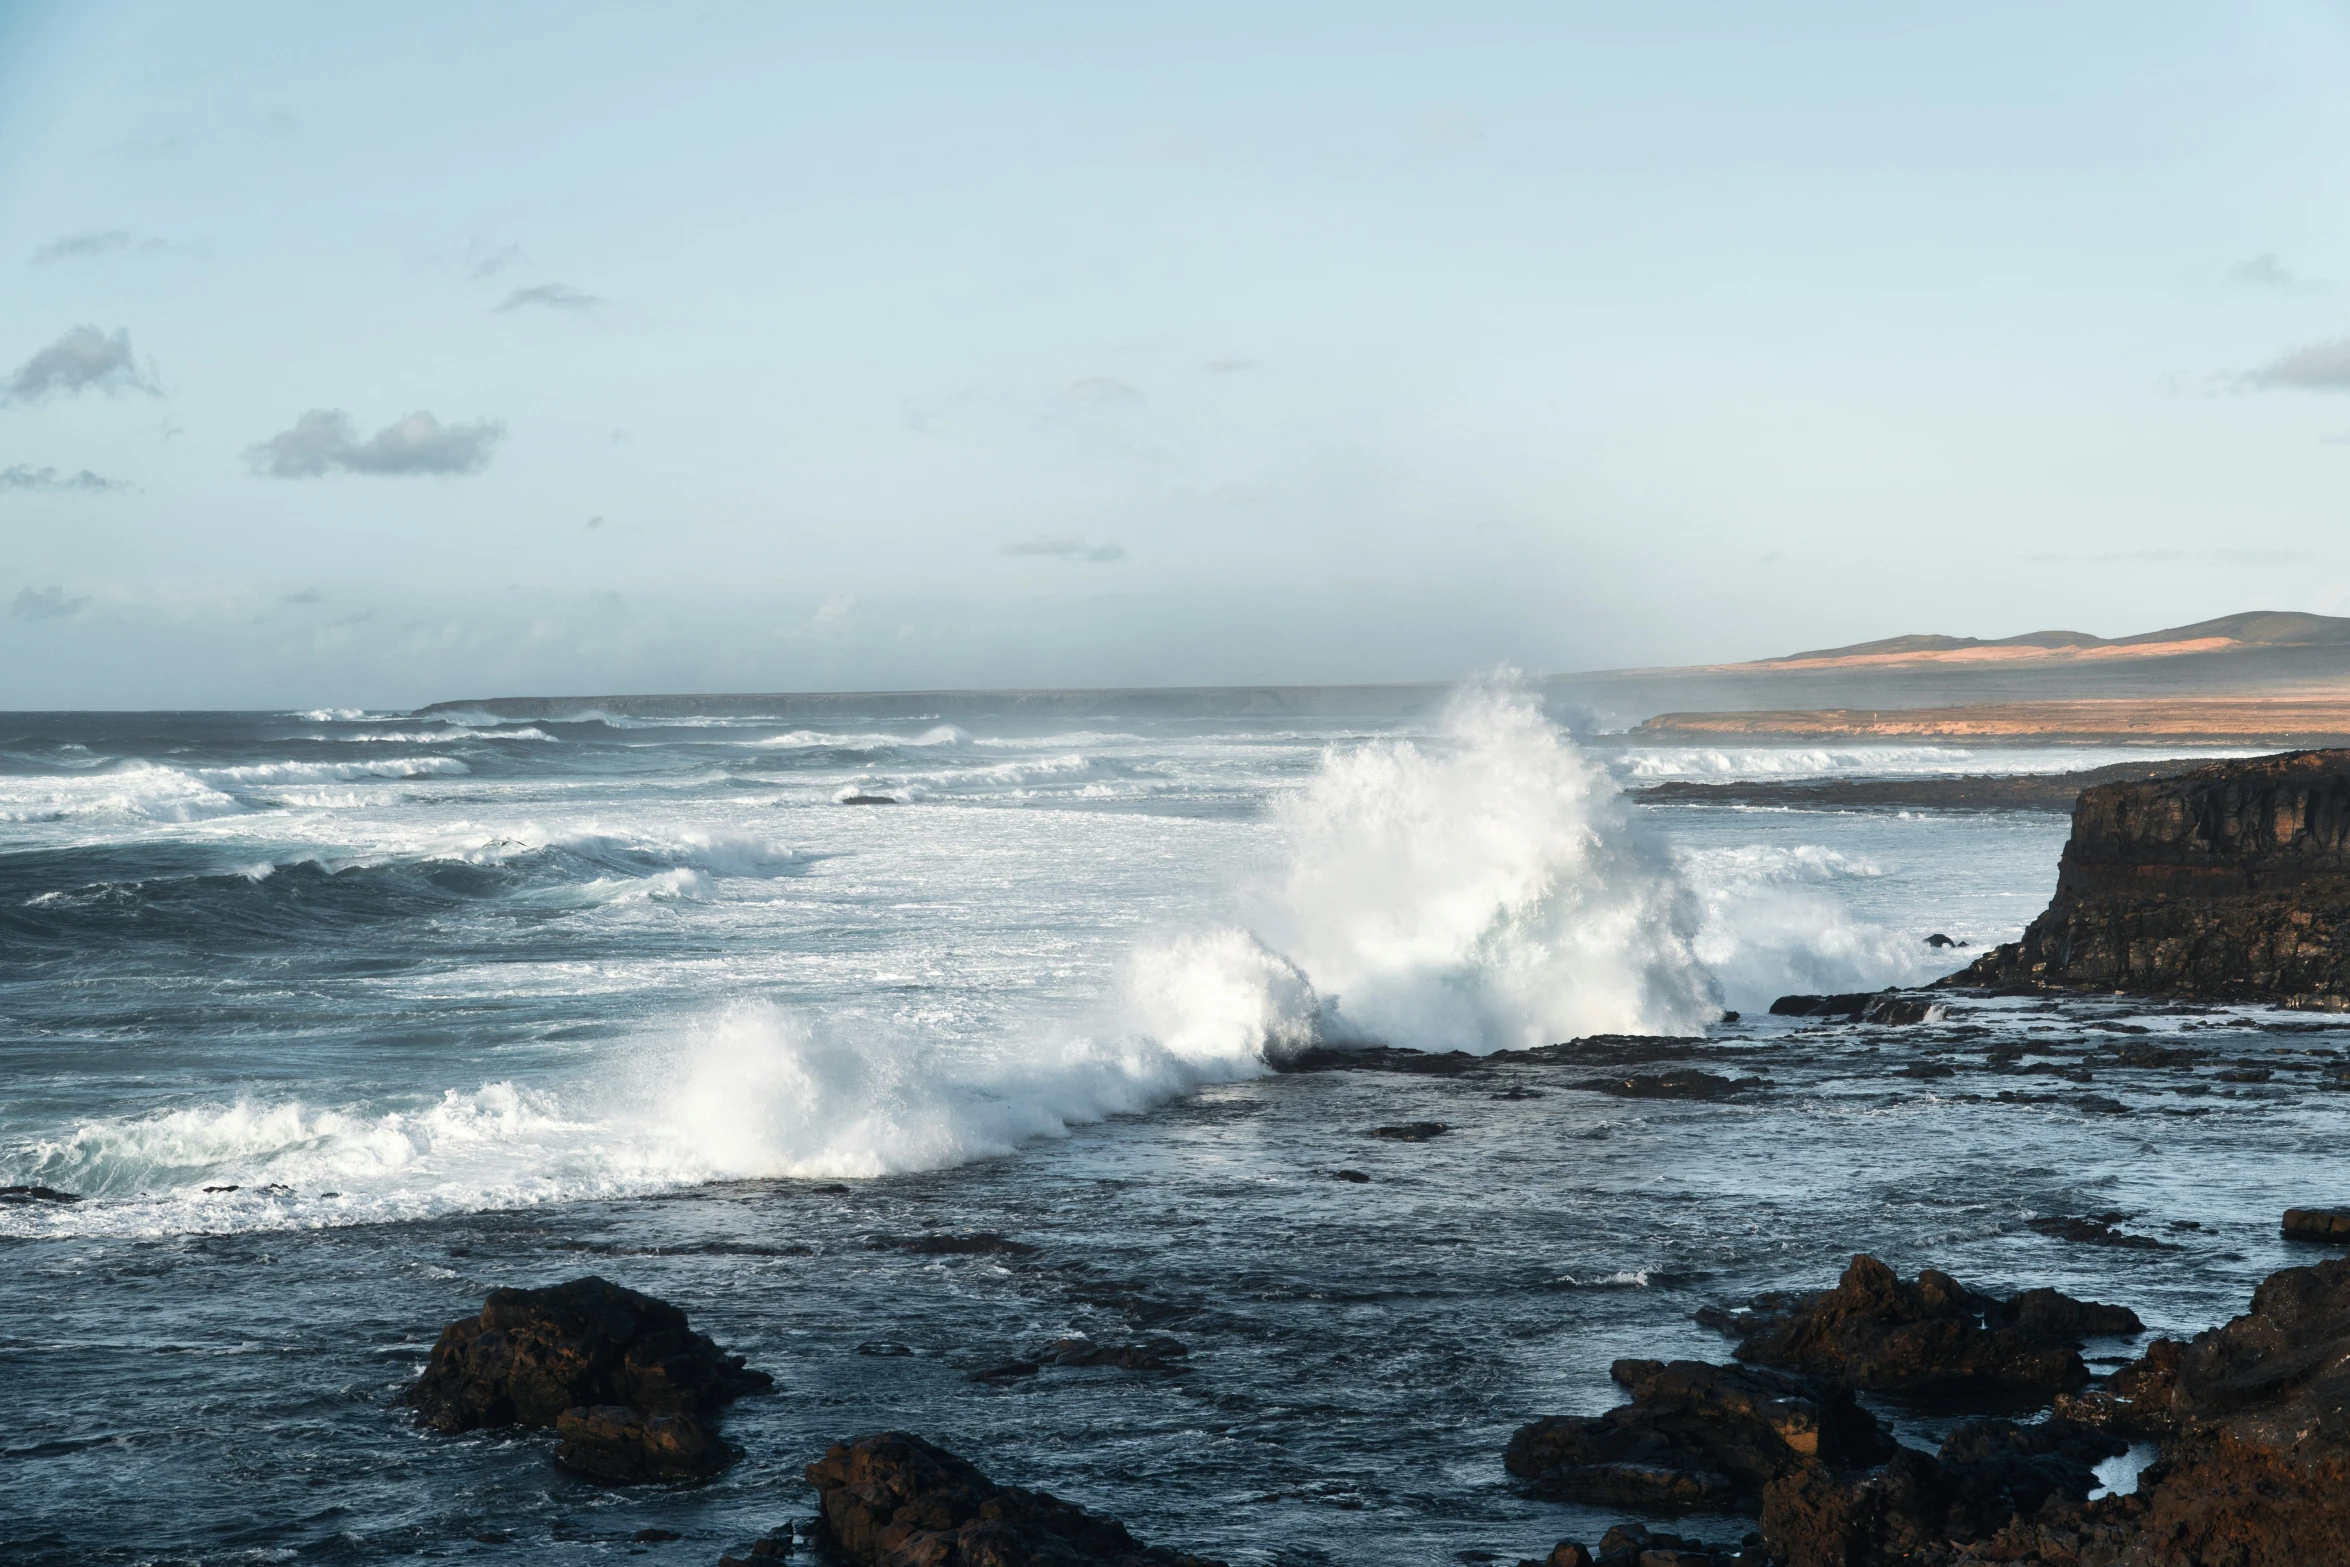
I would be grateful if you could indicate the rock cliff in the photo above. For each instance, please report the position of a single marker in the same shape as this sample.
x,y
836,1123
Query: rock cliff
x,y
2227,883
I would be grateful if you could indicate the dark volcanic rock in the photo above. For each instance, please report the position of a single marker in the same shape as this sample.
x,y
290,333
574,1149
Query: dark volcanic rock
x,y
1671,1085
1866,1006
2097,1231
2229,882
1848,1006
623,1446
894,1500
1930,1338
984,1244
1693,1437
2136,1400
22,1194
1410,1131
533,1354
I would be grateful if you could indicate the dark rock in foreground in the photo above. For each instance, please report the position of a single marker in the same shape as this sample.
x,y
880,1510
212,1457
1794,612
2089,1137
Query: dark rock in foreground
x,y
2230,882
1930,1338
534,1353
894,1500
2253,1471
1694,1437
623,1446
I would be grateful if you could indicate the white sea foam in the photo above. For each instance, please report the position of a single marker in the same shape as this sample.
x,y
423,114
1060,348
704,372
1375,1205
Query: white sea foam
x,y
1792,761
132,792
819,740
1482,886
428,737
337,772
1771,923
1489,889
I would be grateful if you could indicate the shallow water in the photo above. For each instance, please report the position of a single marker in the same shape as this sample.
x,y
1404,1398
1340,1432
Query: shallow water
x,y
532,1001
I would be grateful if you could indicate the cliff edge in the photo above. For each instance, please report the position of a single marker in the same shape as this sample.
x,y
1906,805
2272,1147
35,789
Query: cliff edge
x,y
2227,883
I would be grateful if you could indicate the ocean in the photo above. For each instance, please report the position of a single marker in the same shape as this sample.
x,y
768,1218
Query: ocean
x,y
336,1020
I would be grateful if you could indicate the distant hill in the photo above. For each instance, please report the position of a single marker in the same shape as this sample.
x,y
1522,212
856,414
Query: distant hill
x,y
2252,629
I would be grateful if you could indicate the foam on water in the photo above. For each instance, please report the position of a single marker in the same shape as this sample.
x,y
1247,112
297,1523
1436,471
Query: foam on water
x,y
127,792
1487,890
1482,886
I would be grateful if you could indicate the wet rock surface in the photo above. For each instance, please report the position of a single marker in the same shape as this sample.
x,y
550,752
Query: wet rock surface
x,y
1694,1436
1928,1338
2227,882
2318,1224
534,1353
619,1445
894,1500
1158,1354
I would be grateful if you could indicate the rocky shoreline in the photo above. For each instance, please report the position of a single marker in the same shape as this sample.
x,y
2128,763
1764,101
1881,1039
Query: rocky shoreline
x,y
2251,1422
2226,883
2055,793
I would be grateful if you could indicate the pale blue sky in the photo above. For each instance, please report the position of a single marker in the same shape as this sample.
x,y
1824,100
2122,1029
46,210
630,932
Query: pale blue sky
x,y
914,345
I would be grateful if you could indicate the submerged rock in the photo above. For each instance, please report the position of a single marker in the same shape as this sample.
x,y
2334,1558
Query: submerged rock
x,y
24,1194
1410,1131
2228,882
1694,1437
1929,1338
894,1500
1672,1085
533,1354
1866,1006
1150,1355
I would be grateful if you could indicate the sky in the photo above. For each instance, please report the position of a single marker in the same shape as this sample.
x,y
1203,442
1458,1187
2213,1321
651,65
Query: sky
x,y
370,356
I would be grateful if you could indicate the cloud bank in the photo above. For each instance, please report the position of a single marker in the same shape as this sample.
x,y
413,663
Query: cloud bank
x,y
2323,368
21,477
82,360
1066,546
43,604
324,439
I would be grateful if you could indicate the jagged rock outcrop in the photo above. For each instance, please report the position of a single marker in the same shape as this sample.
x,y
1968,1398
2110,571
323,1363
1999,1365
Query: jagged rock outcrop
x,y
894,1500
2229,883
2253,1468
534,1353
1927,1338
623,1379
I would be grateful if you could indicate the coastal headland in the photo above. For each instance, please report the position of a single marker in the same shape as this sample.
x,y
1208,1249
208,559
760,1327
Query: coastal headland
x,y
2258,678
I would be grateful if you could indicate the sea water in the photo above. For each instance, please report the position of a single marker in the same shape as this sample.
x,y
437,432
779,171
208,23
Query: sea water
x,y
337,1020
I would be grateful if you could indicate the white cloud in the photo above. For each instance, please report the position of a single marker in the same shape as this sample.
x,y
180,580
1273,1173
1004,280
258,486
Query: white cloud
x,y
82,359
2323,368
323,438
550,296
22,477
